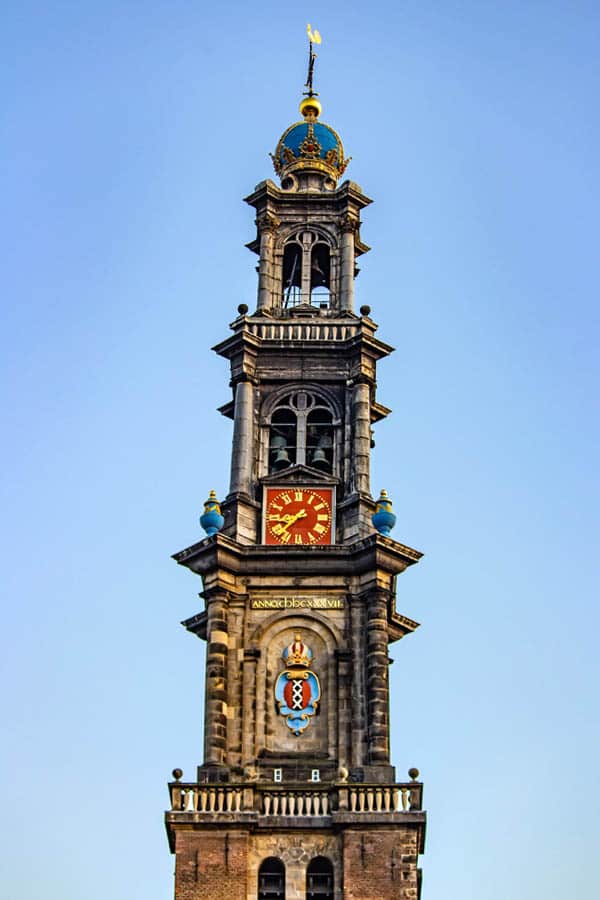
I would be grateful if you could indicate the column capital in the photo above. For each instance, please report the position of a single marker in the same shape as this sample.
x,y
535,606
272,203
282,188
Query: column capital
x,y
349,223
267,222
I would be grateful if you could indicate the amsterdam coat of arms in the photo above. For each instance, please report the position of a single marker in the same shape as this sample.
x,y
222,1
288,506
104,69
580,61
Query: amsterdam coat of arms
x,y
297,690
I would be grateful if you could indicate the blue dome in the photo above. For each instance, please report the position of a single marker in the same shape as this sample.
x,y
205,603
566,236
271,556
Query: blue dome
x,y
294,138
310,144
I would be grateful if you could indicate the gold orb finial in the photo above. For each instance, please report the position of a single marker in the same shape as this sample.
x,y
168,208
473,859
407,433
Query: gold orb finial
x,y
310,108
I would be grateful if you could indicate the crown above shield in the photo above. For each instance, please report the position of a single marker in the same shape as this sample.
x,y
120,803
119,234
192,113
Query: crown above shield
x,y
297,653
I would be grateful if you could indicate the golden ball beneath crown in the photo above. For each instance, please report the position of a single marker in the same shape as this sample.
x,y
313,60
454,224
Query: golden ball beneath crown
x,y
310,106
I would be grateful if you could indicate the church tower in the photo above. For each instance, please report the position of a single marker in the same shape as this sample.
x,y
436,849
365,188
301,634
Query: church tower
x,y
296,797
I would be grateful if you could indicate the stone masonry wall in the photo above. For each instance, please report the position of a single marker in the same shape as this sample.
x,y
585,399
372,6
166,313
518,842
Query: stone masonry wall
x,y
295,850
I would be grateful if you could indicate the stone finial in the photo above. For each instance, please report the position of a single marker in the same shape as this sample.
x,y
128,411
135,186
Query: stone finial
x,y
413,773
365,310
177,774
343,774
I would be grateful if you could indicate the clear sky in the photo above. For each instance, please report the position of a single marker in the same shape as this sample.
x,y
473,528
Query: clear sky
x,y
131,132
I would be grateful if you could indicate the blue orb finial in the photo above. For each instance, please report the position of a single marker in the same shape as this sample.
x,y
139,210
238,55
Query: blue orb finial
x,y
211,519
383,518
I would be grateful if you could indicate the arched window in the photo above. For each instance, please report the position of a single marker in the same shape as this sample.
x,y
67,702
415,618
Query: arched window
x,y
319,879
301,432
271,879
306,270
282,444
319,439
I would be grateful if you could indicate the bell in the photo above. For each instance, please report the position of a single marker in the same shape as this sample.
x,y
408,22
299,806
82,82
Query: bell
x,y
319,459
282,460
278,442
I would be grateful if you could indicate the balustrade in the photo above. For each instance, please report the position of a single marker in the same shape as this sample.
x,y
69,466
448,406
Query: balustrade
x,y
359,799
302,331
295,803
206,798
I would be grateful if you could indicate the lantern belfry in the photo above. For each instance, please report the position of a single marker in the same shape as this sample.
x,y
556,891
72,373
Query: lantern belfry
x,y
296,797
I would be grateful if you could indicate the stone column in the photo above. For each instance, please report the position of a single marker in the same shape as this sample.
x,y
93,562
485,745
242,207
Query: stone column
x,y
358,685
347,264
243,428
251,657
344,707
361,418
267,225
215,712
377,679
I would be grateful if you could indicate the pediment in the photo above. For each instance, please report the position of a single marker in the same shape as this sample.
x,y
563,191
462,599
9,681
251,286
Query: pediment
x,y
299,475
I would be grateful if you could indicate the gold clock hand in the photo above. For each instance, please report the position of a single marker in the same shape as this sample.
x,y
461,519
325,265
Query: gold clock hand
x,y
294,518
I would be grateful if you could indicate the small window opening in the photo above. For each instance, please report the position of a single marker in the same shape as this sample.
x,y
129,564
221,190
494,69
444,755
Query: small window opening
x,y
315,775
271,880
319,440
278,775
282,445
292,274
320,273
319,879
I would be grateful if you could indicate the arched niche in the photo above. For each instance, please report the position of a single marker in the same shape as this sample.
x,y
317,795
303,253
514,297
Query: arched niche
x,y
272,637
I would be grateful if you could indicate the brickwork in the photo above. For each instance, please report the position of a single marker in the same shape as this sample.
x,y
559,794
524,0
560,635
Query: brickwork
x,y
211,865
380,864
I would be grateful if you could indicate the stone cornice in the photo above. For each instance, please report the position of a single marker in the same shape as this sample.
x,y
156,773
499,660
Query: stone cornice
x,y
371,553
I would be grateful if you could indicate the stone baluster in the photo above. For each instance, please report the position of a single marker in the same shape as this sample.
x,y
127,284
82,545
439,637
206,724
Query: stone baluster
x,y
176,798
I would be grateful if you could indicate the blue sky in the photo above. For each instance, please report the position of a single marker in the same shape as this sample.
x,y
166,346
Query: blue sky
x,y
131,132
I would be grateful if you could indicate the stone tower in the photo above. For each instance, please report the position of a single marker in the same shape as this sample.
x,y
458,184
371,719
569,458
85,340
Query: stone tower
x,y
296,796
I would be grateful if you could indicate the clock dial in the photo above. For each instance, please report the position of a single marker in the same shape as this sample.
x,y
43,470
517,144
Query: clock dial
x,y
298,516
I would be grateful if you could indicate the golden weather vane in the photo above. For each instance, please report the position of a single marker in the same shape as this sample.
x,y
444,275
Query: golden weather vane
x,y
313,38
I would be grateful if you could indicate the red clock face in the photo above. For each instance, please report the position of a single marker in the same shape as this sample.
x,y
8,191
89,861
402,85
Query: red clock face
x,y
298,515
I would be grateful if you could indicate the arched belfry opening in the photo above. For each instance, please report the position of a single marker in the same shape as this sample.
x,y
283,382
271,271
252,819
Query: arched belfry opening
x,y
306,271
302,431
320,273
292,274
319,879
271,879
